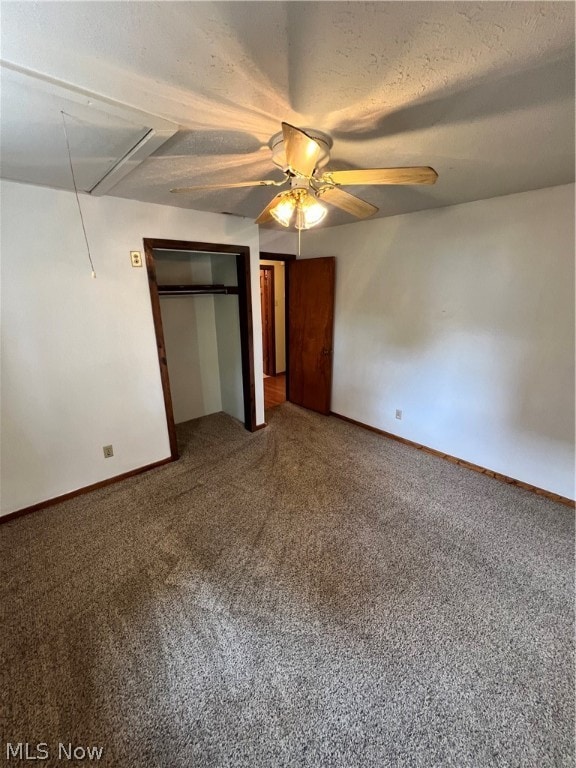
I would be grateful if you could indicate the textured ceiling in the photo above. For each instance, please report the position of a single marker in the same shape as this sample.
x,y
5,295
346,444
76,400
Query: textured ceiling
x,y
483,92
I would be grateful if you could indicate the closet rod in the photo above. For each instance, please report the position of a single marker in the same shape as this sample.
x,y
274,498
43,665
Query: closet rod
x,y
194,290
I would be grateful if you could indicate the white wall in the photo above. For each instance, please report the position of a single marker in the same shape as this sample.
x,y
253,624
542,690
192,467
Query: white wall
x,y
229,346
279,241
463,317
279,312
192,355
189,327
79,362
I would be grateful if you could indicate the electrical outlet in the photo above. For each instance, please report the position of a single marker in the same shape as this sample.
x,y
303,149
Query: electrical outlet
x,y
136,258
108,451
398,413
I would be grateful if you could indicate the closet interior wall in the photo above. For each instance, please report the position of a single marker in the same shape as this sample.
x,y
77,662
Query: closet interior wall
x,y
201,334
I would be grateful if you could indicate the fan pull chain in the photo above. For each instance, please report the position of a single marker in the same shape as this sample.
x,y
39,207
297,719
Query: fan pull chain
x,y
299,235
76,192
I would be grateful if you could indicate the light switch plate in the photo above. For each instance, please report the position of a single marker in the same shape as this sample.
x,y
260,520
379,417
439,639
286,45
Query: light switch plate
x,y
136,258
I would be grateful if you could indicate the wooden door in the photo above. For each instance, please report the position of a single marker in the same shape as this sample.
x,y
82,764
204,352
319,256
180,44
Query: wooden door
x,y
310,332
268,319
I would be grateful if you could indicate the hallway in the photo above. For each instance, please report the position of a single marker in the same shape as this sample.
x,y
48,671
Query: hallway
x,y
274,390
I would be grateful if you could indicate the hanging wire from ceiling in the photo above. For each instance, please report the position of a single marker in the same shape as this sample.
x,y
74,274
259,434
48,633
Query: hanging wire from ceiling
x,y
64,114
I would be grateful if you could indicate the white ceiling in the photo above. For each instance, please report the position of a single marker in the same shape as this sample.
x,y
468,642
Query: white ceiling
x,y
483,92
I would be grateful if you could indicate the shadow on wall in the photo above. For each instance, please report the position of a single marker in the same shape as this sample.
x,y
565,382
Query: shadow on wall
x,y
47,414
481,321
545,375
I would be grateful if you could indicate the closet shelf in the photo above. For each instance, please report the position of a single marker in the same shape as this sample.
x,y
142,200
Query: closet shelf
x,y
194,290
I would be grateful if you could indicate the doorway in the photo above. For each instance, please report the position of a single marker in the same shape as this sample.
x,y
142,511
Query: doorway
x,y
273,293
304,325
234,268
268,306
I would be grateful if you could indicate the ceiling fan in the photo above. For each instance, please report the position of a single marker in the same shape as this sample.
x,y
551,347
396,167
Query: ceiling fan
x,y
301,155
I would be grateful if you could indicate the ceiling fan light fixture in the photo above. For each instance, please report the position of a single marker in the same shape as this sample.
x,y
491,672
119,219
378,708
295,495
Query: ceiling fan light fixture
x,y
309,212
284,209
300,154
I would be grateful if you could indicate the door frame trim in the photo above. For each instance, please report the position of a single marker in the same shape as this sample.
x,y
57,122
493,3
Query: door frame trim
x,y
242,253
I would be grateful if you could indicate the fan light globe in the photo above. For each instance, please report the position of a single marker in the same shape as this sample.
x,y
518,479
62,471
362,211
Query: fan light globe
x,y
284,210
309,212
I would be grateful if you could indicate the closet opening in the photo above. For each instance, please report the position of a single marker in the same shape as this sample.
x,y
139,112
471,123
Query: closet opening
x,y
202,310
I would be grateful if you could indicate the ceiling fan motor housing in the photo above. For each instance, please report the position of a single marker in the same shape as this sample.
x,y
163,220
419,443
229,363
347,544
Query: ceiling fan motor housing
x,y
276,144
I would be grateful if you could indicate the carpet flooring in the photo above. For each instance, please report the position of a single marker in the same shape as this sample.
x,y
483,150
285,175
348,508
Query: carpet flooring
x,y
309,595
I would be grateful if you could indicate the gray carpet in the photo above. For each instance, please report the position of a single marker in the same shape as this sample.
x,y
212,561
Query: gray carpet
x,y
309,595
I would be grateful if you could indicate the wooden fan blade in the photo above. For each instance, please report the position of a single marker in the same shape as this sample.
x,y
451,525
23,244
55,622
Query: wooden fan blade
x,y
415,175
347,202
265,215
265,183
302,152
